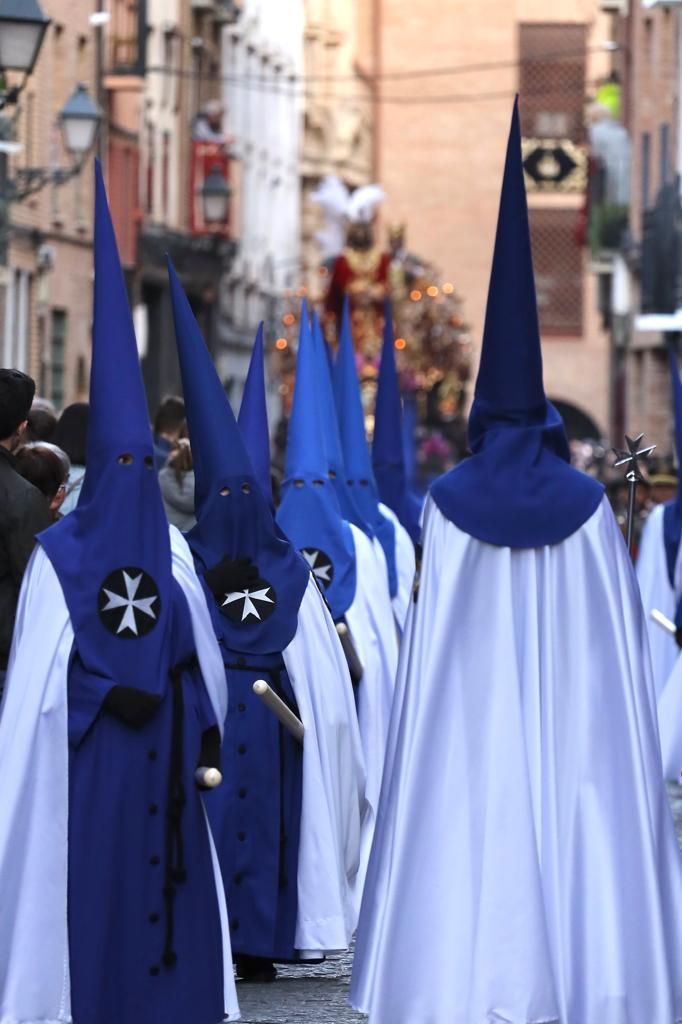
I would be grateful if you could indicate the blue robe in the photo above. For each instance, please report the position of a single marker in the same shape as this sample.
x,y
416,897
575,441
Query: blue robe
x,y
144,928
256,814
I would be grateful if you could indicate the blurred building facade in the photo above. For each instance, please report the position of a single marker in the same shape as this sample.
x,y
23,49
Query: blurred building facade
x,y
340,112
165,129
262,64
441,141
45,318
645,284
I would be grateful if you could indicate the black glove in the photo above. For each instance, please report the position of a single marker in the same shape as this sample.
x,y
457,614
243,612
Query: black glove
x,y
231,575
132,707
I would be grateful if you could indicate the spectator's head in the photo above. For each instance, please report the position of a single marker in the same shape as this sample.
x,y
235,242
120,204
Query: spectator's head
x,y
42,420
71,433
16,395
169,421
44,467
213,112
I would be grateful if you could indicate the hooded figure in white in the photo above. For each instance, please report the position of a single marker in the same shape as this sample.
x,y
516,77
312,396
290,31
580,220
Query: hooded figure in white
x,y
658,563
524,867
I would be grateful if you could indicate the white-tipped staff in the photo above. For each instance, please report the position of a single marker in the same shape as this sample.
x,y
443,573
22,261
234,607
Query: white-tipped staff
x,y
286,716
209,778
662,620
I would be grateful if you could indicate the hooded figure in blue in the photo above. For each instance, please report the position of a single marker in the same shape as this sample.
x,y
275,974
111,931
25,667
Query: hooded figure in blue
x,y
350,510
388,456
356,456
254,582
657,561
253,418
526,648
144,928
309,512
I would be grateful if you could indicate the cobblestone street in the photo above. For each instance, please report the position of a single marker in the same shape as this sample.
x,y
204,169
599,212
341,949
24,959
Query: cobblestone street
x,y
317,995
314,995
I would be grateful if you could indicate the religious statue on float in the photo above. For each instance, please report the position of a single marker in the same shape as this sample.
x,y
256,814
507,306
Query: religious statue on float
x,y
358,267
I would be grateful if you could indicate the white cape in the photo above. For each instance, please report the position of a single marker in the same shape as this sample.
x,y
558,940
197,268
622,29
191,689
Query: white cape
x,y
373,629
405,566
654,586
333,802
525,867
34,761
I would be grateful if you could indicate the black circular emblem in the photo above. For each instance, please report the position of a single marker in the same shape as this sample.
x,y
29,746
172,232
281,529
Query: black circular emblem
x,y
320,564
249,605
129,603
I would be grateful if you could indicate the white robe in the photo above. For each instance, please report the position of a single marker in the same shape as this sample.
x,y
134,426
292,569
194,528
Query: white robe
x,y
34,761
405,566
525,867
654,585
333,803
373,630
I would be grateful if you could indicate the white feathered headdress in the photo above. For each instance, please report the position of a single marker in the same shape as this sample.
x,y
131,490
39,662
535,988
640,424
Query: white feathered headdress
x,y
341,207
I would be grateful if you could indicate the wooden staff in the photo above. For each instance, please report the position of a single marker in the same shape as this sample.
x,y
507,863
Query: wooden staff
x,y
662,620
286,716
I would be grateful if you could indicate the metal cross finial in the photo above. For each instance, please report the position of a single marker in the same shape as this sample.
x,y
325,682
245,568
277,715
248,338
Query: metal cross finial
x,y
633,476
632,456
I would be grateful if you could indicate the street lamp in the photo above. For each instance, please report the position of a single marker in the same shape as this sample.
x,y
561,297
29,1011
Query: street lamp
x,y
215,194
22,28
79,118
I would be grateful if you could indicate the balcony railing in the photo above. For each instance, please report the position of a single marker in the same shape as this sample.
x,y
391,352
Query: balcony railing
x,y
128,37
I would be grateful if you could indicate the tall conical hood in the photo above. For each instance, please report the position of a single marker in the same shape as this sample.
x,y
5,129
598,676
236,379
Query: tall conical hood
x,y
330,431
509,387
112,554
253,417
220,450
505,492
119,419
359,472
234,520
388,458
672,513
309,512
305,455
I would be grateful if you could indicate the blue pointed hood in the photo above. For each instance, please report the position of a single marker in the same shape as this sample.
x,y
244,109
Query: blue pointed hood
x,y
672,513
359,472
388,457
508,492
309,512
253,417
234,520
350,510
112,553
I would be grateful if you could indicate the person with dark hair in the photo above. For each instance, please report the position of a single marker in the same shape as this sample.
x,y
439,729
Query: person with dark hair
x,y
23,512
176,480
71,436
169,427
42,420
42,466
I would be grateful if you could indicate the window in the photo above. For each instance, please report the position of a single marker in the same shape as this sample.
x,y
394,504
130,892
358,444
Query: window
x,y
57,356
558,271
151,169
165,169
646,169
552,74
664,147
17,320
